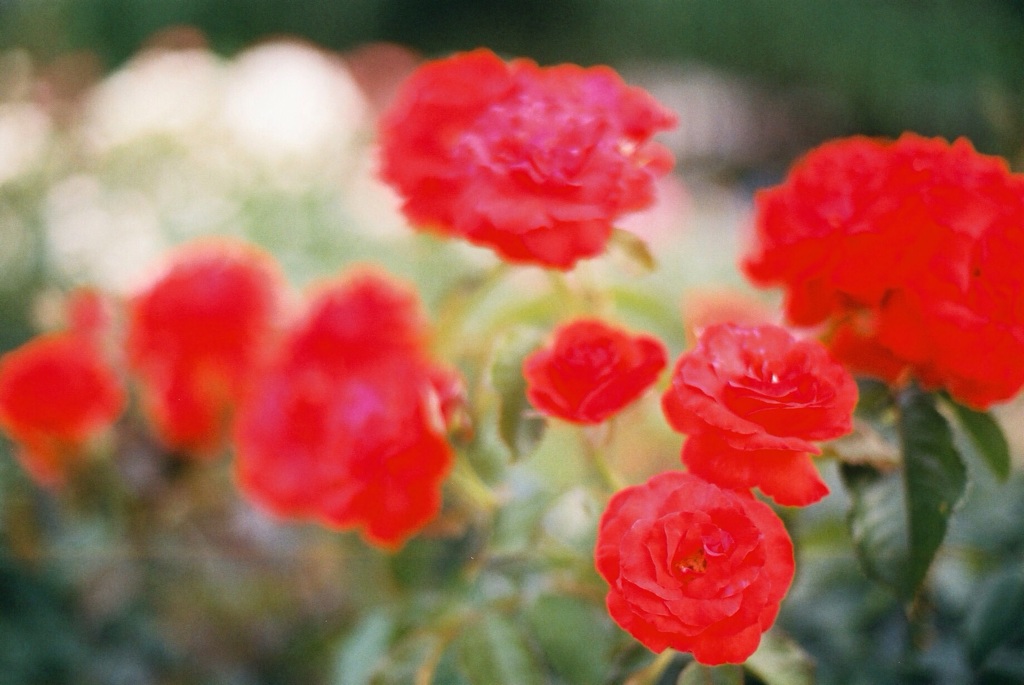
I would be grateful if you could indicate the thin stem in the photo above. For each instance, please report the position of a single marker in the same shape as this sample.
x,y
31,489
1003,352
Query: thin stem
x,y
425,673
596,439
446,629
461,302
578,298
650,674
471,487
560,285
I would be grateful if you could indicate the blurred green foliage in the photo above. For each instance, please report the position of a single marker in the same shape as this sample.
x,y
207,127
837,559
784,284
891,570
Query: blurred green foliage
x,y
939,67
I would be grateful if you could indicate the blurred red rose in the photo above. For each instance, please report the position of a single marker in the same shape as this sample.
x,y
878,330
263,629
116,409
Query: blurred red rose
x,y
905,249
693,567
753,398
702,308
347,427
56,392
197,335
591,370
89,313
533,162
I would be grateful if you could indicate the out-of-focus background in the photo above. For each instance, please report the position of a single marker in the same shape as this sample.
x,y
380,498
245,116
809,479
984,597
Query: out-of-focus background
x,y
129,126
943,67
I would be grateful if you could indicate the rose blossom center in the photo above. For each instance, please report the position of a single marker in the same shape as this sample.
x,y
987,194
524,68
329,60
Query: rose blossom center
x,y
698,550
596,354
767,385
694,563
534,138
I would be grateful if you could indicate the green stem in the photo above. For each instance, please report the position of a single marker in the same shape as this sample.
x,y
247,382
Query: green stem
x,y
425,673
461,302
563,291
472,488
650,674
580,297
596,439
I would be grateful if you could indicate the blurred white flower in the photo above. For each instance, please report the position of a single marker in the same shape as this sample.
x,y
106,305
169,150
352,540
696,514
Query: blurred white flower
x,y
24,132
374,206
160,92
288,101
107,239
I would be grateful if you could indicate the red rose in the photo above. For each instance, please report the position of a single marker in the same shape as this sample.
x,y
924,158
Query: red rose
x,y
753,399
196,336
89,314
905,250
56,392
693,567
535,163
591,370
347,427
796,231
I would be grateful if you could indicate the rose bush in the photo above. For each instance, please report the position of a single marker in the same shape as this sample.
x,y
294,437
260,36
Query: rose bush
x,y
534,162
753,400
590,370
693,567
341,407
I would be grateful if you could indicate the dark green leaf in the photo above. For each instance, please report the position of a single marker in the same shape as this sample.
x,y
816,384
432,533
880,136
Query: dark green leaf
x,y
487,453
780,661
628,658
447,671
874,398
574,636
434,561
364,649
519,426
987,437
635,249
493,651
997,616
878,524
699,674
934,475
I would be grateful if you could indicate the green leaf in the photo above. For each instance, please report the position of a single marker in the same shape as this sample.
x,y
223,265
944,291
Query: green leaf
x,y
518,426
575,637
997,615
487,453
517,523
987,437
781,661
635,249
407,659
364,649
874,398
699,674
878,524
934,478
628,658
431,562
447,671
493,651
